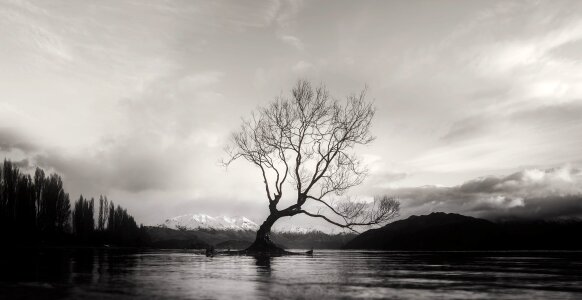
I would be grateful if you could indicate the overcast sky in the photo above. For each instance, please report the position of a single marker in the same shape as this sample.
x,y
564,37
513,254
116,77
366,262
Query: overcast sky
x,y
479,103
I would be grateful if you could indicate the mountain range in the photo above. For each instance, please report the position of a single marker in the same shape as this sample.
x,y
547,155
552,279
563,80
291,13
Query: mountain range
x,y
436,231
202,221
222,223
224,232
448,231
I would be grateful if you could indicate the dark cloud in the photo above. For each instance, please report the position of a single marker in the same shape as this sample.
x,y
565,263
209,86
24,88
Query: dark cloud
x,y
551,207
11,139
23,164
128,163
532,193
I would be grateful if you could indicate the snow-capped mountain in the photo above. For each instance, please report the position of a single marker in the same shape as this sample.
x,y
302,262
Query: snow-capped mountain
x,y
239,223
289,228
201,221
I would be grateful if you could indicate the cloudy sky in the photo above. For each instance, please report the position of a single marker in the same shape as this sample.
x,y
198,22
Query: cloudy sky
x,y
479,103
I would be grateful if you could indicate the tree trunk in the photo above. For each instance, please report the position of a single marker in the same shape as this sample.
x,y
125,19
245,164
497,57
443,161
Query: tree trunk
x,y
263,244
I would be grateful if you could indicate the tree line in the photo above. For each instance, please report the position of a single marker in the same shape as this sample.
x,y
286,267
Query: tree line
x,y
35,209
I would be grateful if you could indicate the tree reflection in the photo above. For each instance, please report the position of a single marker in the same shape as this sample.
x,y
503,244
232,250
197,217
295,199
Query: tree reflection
x,y
263,264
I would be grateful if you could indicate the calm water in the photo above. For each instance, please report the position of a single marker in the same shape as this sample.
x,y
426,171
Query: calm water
x,y
116,274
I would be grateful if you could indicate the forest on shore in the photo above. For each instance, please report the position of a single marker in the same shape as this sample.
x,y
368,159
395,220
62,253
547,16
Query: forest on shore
x,y
35,210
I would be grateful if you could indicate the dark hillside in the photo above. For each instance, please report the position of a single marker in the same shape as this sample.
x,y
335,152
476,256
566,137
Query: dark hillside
x,y
447,231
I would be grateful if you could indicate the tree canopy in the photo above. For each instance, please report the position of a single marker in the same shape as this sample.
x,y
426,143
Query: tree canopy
x,y
307,141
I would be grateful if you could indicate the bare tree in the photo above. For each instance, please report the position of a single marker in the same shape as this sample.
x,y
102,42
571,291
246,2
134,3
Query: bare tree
x,y
307,141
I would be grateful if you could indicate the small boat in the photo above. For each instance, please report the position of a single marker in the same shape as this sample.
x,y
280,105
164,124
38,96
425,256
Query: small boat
x,y
310,252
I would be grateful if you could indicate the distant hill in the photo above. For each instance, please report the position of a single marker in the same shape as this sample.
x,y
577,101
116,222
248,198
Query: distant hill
x,y
311,239
198,239
447,231
163,237
435,231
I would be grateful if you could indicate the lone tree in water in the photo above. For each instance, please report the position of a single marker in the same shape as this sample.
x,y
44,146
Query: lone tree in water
x,y
306,141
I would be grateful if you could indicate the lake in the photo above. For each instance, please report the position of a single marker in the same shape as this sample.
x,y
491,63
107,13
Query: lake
x,y
154,274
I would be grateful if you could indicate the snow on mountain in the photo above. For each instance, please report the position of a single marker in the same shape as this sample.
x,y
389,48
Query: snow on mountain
x,y
289,228
201,221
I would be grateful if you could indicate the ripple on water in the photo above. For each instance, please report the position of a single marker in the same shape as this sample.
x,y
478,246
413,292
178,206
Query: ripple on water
x,y
115,274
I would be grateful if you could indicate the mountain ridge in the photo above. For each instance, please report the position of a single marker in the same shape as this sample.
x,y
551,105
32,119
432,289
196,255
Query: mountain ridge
x,y
203,221
449,231
198,221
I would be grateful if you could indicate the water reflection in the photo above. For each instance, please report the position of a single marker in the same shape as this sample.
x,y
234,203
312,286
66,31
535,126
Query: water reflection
x,y
98,273
263,264
82,267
